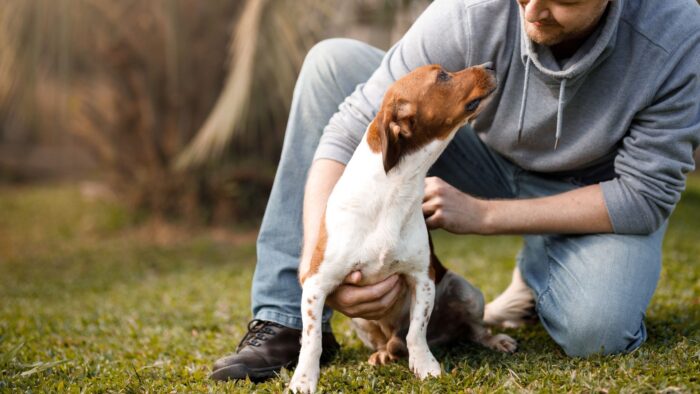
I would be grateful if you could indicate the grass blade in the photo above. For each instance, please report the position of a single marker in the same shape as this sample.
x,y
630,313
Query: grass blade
x,y
6,358
41,367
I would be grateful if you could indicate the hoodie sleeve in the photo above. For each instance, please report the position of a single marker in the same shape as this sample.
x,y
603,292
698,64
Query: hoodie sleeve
x,y
437,37
657,153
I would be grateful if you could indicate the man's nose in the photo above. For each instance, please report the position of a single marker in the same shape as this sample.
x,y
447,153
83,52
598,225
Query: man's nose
x,y
535,10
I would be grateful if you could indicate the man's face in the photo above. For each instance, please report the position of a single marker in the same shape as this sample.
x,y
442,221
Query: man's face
x,y
551,22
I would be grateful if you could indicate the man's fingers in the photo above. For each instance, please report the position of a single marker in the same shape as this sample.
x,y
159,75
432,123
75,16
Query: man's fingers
x,y
370,293
430,223
376,309
428,208
434,220
432,187
346,298
428,188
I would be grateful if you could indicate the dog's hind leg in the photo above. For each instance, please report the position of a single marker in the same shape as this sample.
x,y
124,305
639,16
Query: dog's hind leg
x,y
420,359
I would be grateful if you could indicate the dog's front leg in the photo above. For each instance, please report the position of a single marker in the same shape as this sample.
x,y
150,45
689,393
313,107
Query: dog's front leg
x,y
420,359
307,371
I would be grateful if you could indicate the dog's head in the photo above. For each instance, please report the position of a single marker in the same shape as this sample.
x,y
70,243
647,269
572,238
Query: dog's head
x,y
427,104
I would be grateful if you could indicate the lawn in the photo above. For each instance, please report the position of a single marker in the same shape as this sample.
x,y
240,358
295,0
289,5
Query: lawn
x,y
94,300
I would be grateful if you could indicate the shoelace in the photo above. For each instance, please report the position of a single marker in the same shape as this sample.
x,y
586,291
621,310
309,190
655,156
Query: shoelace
x,y
258,332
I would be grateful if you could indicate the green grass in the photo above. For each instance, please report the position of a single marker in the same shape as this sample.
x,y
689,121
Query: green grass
x,y
90,302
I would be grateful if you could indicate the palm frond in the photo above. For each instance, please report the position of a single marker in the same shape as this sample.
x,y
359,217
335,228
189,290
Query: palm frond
x,y
230,109
255,100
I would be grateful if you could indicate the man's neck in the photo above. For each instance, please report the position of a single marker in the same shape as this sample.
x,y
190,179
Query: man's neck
x,y
566,49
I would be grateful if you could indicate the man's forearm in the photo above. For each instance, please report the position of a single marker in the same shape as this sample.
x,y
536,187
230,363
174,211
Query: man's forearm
x,y
578,211
323,175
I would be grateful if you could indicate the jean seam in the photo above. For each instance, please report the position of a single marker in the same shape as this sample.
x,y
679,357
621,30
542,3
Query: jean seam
x,y
548,284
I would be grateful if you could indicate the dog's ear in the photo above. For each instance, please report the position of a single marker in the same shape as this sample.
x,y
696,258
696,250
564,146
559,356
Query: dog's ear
x,y
391,145
397,129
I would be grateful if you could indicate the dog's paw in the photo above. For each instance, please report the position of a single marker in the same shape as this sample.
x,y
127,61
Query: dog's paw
x,y
300,387
503,343
381,357
424,366
303,383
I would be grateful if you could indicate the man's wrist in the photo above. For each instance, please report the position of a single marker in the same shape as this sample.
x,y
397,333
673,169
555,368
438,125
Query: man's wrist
x,y
487,222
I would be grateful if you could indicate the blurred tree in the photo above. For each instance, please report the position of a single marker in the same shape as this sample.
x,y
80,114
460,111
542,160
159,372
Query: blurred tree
x,y
267,50
132,81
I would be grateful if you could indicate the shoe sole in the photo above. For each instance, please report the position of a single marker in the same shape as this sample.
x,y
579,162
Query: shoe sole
x,y
257,375
240,372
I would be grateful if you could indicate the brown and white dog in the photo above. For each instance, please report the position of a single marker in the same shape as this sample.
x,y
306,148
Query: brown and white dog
x,y
374,223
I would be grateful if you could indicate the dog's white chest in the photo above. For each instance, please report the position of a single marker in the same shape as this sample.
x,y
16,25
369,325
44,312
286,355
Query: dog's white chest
x,y
378,259
375,226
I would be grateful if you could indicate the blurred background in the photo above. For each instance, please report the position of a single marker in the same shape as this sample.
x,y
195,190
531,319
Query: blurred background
x,y
176,108
138,143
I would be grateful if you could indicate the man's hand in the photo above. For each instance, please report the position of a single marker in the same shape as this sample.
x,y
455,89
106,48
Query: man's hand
x,y
368,302
448,208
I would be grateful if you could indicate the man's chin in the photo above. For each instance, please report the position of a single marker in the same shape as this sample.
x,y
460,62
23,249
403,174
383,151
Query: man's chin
x,y
543,38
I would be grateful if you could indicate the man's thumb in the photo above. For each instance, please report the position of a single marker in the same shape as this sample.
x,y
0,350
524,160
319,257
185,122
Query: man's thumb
x,y
353,278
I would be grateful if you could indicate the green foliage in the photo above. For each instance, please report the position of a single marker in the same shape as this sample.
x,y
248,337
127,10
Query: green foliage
x,y
90,304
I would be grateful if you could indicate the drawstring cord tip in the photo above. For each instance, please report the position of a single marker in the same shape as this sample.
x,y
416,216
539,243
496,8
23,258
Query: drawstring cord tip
x,y
556,143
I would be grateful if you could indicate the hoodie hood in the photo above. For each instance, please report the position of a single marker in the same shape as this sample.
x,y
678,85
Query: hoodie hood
x,y
593,51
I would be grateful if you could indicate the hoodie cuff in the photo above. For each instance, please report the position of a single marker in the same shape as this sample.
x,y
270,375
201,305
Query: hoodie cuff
x,y
628,211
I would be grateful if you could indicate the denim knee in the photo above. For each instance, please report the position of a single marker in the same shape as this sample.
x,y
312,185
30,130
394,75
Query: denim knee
x,y
590,328
334,56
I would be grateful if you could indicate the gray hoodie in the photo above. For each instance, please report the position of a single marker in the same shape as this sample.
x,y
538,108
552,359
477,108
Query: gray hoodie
x,y
623,111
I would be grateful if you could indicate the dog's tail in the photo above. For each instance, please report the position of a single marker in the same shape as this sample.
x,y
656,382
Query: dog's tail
x,y
513,308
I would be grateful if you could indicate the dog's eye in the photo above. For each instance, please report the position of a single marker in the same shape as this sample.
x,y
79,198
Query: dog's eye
x,y
443,76
471,107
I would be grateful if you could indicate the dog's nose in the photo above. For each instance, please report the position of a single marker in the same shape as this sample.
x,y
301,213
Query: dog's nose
x,y
488,66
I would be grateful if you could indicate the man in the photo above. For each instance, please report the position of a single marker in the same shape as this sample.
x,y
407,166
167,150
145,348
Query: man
x,y
584,150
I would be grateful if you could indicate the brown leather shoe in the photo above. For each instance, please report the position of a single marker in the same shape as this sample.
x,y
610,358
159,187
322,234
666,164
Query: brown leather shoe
x,y
265,350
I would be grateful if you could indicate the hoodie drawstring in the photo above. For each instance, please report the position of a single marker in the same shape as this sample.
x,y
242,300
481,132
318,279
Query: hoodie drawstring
x,y
524,99
560,106
560,113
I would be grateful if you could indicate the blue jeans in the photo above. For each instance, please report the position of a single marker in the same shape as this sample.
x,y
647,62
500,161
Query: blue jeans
x,y
591,290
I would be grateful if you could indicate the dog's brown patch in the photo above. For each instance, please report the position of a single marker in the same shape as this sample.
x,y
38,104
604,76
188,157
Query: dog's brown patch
x,y
436,271
319,251
374,139
311,314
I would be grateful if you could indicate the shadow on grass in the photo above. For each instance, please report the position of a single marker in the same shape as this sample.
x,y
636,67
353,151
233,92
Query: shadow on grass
x,y
667,330
673,324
